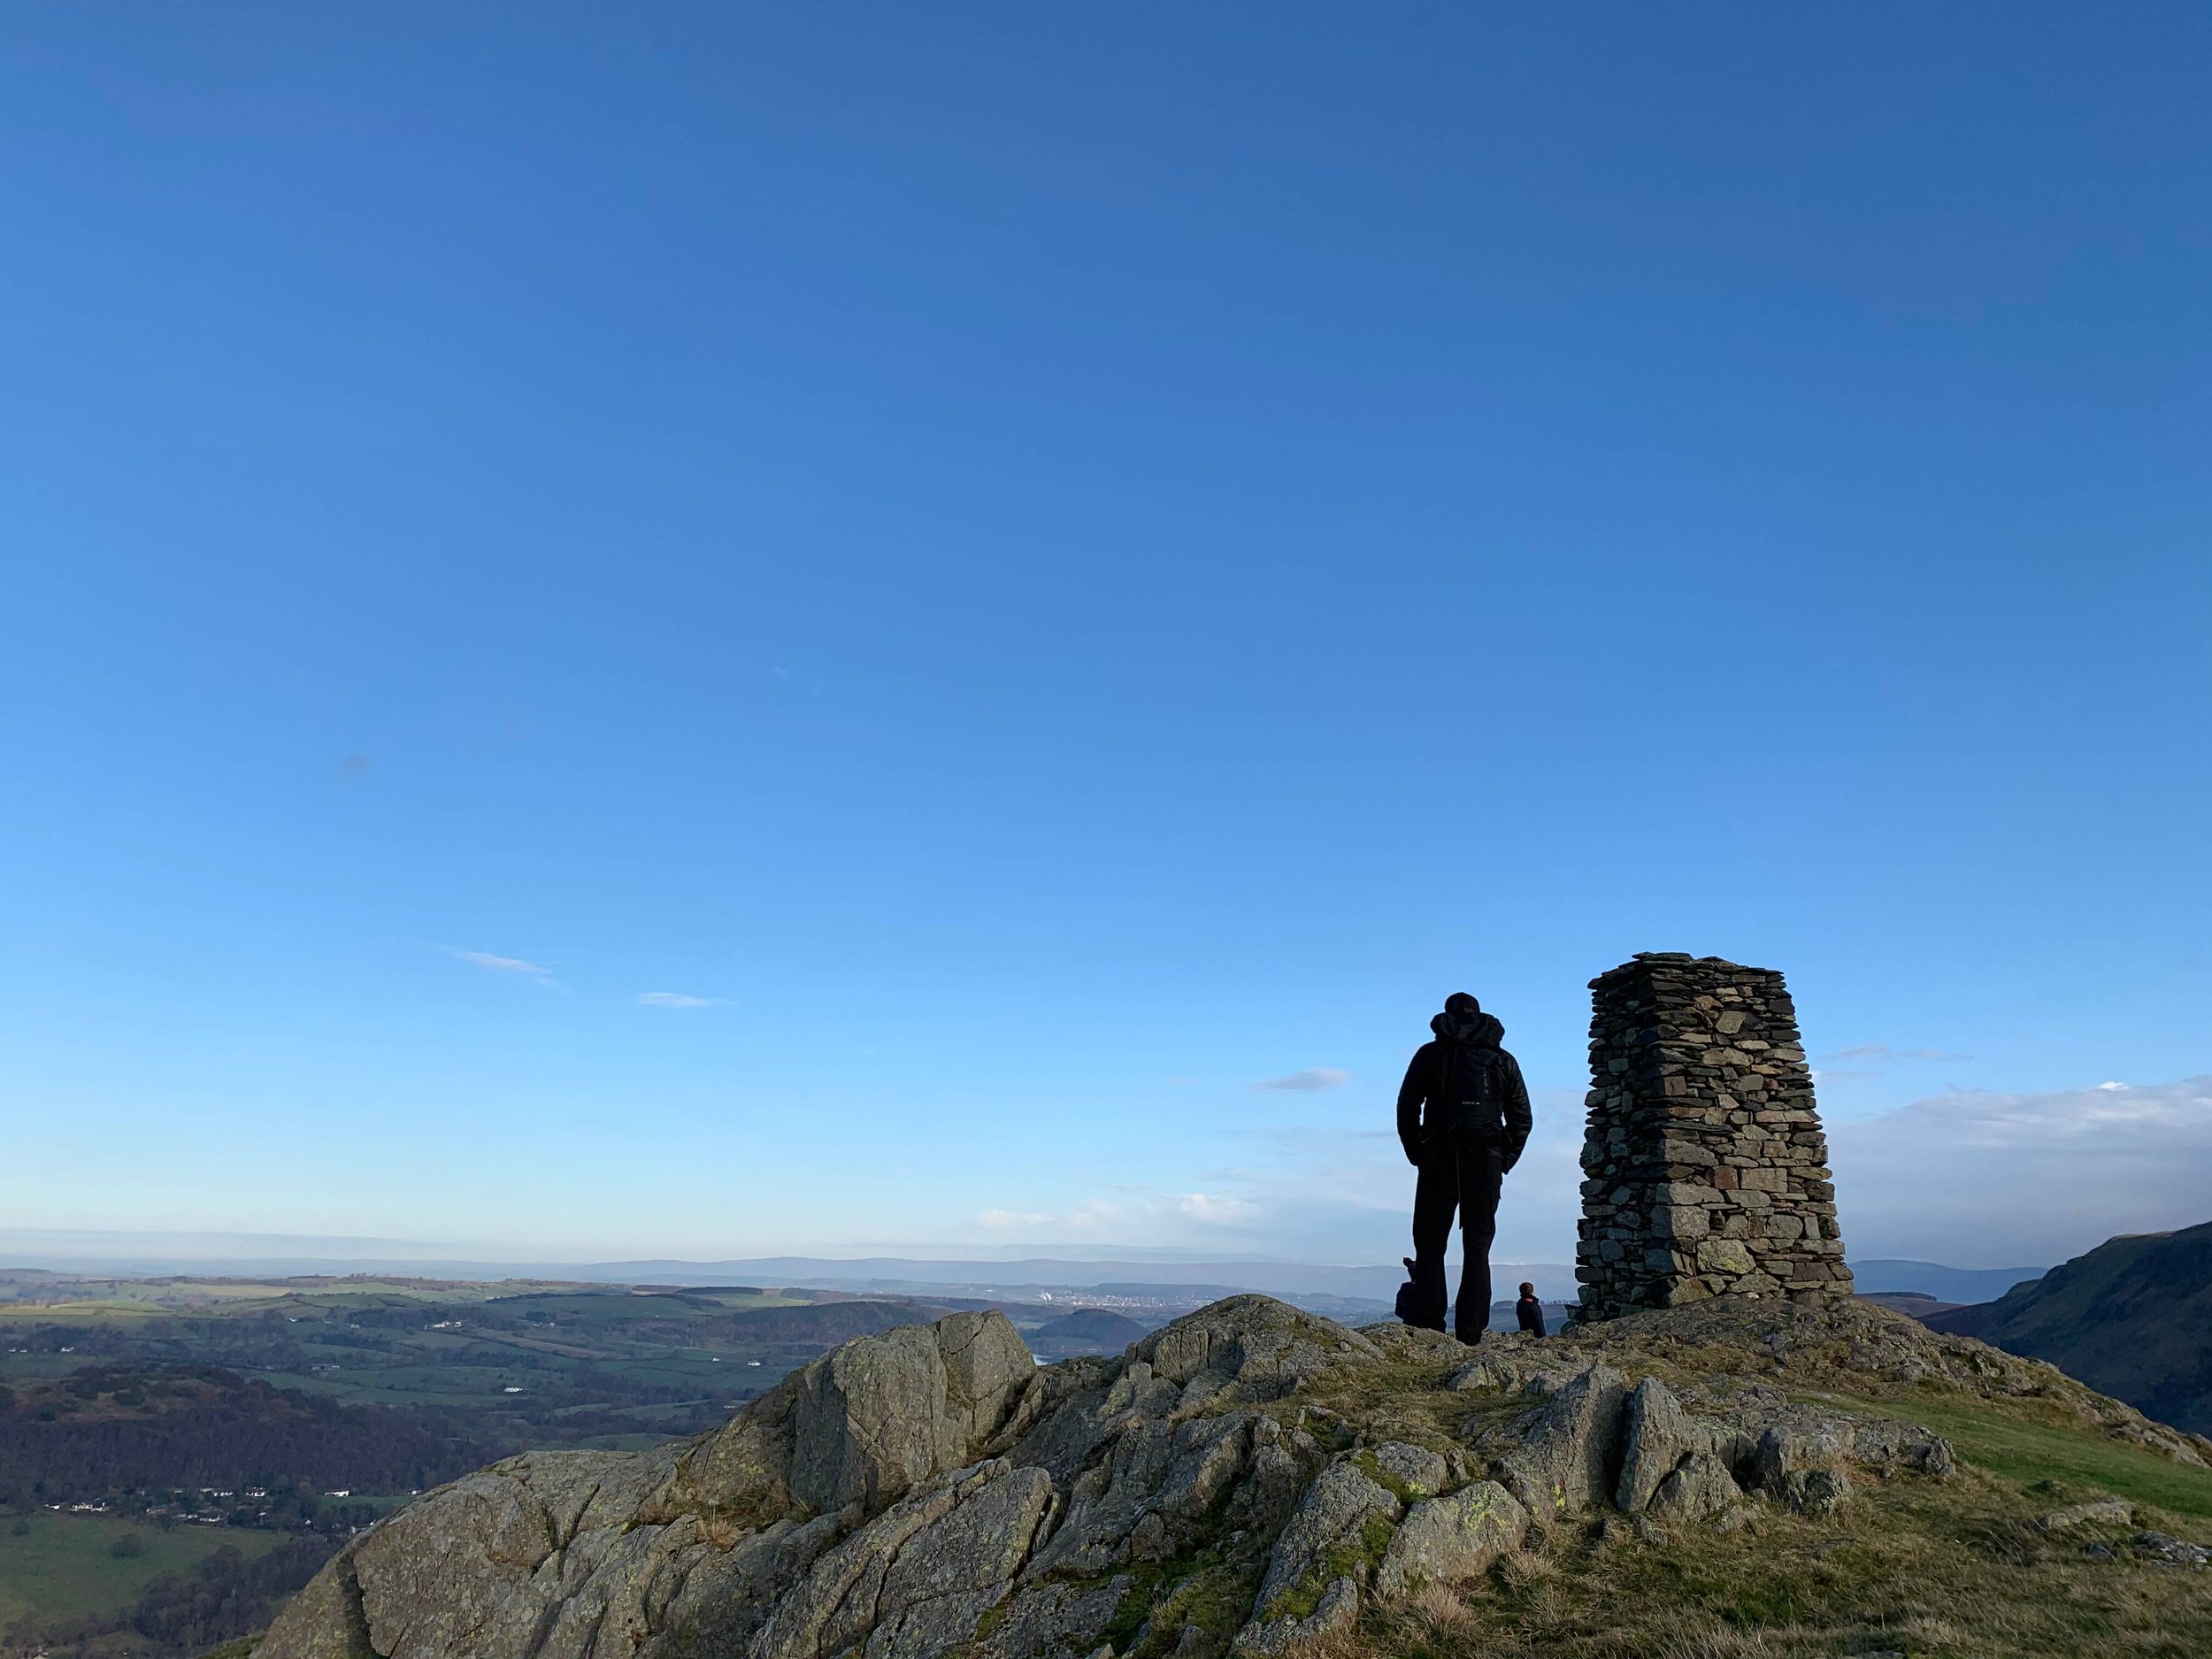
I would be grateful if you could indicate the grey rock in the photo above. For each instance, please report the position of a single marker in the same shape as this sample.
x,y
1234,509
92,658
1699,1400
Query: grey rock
x,y
1882,1442
1701,1488
2096,1512
324,1620
1796,1447
482,1565
1656,1435
1252,1347
1331,1524
1567,1458
1452,1539
1416,1470
915,1581
1506,1372
1414,1343
880,1415
2163,1550
1077,1407
1790,1452
1052,1618
726,1595
1476,1377
1157,1482
1817,1491
1337,1609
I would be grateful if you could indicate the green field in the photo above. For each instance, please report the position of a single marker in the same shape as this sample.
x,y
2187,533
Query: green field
x,y
508,1365
514,1359
62,1565
2028,1444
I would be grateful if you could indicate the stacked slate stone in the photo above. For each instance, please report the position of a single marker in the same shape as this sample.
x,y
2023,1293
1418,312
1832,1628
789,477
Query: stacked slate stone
x,y
1706,1171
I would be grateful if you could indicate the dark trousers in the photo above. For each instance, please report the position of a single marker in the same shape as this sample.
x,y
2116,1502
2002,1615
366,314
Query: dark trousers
x,y
1462,1179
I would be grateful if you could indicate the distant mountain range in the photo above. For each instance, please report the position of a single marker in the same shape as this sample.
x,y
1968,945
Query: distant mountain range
x,y
1944,1284
888,1275
2133,1318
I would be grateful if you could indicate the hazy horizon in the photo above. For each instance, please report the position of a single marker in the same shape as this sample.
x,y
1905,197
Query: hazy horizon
x,y
200,1254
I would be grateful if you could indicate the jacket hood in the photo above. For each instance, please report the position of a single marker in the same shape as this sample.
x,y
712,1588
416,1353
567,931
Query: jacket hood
x,y
1473,1031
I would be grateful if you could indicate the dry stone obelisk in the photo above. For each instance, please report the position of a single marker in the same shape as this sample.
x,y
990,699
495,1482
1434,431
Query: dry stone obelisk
x,y
1706,1170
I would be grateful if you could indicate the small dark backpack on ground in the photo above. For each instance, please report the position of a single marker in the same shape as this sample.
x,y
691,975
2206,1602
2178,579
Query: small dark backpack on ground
x,y
1409,1297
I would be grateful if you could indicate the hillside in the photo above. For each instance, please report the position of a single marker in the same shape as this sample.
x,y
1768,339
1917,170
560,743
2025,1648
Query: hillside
x,y
157,1428
1085,1331
503,1365
2133,1317
1732,1478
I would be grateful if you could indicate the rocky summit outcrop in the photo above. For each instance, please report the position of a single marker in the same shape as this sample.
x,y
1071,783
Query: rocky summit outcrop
x,y
1245,1478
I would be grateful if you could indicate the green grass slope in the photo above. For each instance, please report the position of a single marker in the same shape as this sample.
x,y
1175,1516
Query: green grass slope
x,y
60,1567
2133,1318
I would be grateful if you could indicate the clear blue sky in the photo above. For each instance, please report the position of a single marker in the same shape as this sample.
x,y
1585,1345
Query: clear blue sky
x,y
1045,566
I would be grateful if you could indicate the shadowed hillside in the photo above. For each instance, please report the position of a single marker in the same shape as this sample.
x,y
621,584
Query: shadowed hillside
x,y
116,1427
1085,1331
2133,1318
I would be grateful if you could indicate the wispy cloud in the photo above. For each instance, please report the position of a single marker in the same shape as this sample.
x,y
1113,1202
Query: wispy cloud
x,y
1308,1082
502,964
999,1221
1881,1052
677,999
1977,1177
1216,1210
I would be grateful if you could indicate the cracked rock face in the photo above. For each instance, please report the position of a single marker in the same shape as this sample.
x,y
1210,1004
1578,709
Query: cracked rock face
x,y
1568,1458
930,1490
1452,1539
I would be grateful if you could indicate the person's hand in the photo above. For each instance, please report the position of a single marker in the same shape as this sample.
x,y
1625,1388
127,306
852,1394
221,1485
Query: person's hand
x,y
1413,1153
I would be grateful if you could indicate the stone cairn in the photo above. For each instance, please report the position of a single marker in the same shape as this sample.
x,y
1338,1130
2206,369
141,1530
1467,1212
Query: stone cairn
x,y
1706,1171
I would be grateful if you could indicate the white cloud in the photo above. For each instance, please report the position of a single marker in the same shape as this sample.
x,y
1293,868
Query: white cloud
x,y
1978,1178
1883,1052
502,964
676,998
1308,1082
999,1221
1216,1210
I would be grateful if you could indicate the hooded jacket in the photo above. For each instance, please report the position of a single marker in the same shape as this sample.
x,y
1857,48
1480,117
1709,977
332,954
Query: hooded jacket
x,y
1464,1087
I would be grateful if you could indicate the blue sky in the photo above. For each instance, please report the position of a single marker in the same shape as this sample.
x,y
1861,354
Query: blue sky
x,y
950,592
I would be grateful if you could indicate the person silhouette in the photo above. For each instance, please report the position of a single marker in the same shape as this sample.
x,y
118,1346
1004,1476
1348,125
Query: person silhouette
x,y
1462,1119
1529,1311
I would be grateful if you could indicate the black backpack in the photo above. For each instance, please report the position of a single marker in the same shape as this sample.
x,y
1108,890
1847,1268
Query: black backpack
x,y
1474,1111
